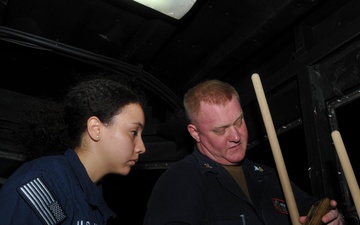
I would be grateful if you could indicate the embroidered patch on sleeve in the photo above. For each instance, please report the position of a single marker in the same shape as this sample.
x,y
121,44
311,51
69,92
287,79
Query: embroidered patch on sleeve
x,y
280,206
42,201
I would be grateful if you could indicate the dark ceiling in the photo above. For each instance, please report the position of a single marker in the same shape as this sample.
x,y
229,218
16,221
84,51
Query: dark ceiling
x,y
227,40
214,39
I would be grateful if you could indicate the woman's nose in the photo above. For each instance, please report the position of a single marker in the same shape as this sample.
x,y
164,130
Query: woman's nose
x,y
140,147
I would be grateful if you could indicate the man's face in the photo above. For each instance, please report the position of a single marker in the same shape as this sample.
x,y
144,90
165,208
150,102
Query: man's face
x,y
220,132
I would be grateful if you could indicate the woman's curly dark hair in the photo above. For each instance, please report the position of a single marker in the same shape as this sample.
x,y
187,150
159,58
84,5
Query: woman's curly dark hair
x,y
102,98
50,127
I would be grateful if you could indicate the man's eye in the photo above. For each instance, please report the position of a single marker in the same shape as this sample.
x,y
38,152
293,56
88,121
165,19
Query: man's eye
x,y
135,133
239,123
220,131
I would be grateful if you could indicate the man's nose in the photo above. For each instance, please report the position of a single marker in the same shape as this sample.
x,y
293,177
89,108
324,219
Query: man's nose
x,y
234,134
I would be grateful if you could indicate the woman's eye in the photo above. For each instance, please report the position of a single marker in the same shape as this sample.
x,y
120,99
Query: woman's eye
x,y
135,133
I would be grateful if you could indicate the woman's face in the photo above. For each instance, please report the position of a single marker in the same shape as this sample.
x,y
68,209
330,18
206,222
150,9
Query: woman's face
x,y
121,142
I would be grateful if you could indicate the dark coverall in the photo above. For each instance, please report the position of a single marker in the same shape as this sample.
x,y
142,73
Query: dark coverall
x,y
52,190
199,191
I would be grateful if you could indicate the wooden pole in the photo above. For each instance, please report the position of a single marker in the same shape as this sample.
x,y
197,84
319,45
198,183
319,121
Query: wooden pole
x,y
348,171
275,147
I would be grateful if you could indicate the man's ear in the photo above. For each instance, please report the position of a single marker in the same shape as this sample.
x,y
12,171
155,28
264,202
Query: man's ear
x,y
93,127
193,132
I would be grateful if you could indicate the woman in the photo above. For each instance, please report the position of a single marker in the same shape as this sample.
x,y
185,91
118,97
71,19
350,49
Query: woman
x,y
104,120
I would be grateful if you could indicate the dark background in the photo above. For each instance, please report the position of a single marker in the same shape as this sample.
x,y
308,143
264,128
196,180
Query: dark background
x,y
306,53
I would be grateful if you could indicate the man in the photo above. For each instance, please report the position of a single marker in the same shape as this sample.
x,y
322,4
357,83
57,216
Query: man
x,y
216,184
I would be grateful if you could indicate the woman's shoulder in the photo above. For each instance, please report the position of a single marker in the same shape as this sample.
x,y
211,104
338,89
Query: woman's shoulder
x,y
46,167
45,163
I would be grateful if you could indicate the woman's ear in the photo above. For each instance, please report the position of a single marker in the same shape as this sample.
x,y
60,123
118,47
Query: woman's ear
x,y
193,132
93,127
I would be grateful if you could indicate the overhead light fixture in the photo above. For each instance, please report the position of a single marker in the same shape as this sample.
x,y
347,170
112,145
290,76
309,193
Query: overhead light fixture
x,y
173,8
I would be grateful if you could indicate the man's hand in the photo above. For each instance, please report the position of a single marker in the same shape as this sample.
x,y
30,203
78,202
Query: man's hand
x,y
333,217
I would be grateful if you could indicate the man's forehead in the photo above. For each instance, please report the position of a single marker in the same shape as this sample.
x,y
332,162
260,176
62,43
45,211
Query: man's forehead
x,y
219,114
221,105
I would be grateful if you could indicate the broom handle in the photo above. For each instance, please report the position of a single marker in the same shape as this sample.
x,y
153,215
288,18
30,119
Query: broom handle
x,y
275,147
348,170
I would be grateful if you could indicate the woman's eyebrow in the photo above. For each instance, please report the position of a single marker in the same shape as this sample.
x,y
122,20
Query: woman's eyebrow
x,y
139,124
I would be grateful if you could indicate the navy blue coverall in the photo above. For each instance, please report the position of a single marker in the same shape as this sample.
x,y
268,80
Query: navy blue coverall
x,y
52,190
199,191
